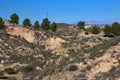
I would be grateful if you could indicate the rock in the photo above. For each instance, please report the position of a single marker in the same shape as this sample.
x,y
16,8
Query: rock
x,y
22,32
53,43
105,62
2,61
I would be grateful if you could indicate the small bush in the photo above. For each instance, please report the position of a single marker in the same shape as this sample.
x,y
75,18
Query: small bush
x,y
1,73
73,68
1,23
113,69
95,30
12,78
86,33
47,54
119,60
28,68
88,67
10,71
3,77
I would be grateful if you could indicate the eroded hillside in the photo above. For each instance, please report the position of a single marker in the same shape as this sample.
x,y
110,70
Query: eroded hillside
x,y
67,54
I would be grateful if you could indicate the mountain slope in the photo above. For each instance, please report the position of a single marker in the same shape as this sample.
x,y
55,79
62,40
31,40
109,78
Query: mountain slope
x,y
65,54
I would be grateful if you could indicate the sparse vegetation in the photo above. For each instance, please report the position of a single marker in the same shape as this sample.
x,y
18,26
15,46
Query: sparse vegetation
x,y
63,51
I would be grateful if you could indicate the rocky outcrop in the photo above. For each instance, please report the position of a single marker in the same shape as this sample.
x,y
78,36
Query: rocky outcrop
x,y
51,54
106,62
53,43
22,32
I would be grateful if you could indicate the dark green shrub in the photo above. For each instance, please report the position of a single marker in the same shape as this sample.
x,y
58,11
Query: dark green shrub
x,y
47,54
1,73
109,35
10,71
1,23
113,69
116,28
73,68
81,24
95,30
107,30
53,27
88,67
3,77
28,68
12,78
86,33
119,60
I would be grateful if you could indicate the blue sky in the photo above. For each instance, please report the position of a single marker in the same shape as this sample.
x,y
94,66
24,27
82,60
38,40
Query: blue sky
x,y
67,11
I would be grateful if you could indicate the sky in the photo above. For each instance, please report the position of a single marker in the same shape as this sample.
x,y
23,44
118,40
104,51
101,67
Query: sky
x,y
62,11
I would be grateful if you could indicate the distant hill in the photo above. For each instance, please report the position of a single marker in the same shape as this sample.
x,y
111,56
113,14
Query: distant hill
x,y
101,25
63,25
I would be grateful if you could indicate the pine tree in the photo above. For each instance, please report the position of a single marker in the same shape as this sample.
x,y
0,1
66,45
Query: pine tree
x,y
95,30
81,24
36,25
45,24
107,30
53,27
116,28
27,22
14,18
1,23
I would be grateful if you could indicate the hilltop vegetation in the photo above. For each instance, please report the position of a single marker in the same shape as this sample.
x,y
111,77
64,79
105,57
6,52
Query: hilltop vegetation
x,y
51,51
1,23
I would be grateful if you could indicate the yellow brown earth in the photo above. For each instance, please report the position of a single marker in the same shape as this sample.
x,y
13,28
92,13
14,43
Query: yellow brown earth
x,y
67,54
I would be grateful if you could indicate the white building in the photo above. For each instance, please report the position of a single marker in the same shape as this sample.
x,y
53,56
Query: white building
x,y
87,26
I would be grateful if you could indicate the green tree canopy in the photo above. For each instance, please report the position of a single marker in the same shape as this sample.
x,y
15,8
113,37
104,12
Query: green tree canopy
x,y
36,25
26,22
107,30
45,24
53,27
14,18
81,24
116,28
95,30
115,24
1,23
